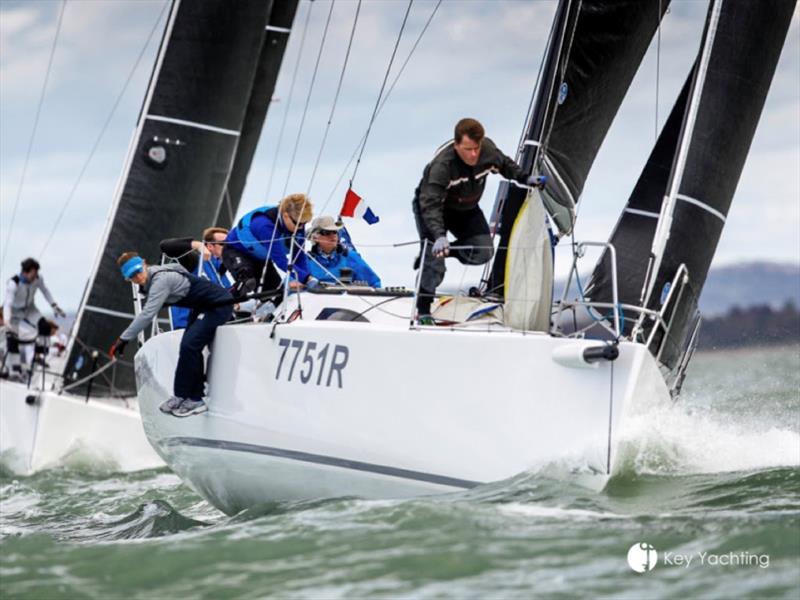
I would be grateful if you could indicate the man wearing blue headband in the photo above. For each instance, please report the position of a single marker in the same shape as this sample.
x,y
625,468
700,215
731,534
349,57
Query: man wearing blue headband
x,y
174,286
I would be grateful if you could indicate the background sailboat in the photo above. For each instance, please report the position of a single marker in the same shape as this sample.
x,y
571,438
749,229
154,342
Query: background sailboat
x,y
204,109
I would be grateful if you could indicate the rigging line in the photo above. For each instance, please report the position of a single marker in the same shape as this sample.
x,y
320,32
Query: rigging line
x,y
289,99
308,98
335,99
33,133
103,131
658,67
380,94
383,102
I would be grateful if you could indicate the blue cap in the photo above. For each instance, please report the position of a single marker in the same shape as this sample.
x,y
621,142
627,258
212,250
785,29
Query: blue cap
x,y
132,266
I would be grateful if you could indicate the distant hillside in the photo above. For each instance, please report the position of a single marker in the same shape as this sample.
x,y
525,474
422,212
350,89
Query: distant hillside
x,y
756,325
743,285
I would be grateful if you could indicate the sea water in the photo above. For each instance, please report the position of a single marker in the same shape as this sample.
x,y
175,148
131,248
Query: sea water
x,y
707,506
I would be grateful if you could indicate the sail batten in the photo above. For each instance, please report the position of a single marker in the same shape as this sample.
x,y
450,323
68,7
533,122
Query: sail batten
x,y
180,159
741,45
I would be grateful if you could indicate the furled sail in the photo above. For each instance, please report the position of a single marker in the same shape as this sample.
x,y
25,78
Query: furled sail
x,y
179,161
633,235
594,51
741,46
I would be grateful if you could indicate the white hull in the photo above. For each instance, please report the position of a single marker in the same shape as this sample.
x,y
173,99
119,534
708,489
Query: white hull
x,y
52,429
416,411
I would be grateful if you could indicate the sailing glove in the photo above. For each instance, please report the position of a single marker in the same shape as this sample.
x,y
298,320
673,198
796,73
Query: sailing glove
x,y
57,311
537,181
312,283
117,347
441,247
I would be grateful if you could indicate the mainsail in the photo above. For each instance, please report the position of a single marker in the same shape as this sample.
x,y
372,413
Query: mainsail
x,y
180,159
594,51
741,45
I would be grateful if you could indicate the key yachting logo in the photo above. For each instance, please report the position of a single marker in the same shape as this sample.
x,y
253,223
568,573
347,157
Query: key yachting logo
x,y
642,557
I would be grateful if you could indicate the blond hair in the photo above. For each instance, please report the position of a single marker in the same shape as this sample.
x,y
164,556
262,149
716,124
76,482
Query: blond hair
x,y
298,206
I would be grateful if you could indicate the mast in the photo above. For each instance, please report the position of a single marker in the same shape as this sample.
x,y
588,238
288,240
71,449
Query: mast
x,y
739,53
178,163
593,53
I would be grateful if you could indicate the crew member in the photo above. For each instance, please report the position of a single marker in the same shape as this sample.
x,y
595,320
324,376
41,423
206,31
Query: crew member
x,y
173,285
20,314
203,258
327,256
446,200
263,239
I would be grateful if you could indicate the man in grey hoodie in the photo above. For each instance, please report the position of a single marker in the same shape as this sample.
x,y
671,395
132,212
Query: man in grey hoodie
x,y
175,286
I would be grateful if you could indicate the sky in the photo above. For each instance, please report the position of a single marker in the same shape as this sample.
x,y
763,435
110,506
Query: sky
x,y
477,59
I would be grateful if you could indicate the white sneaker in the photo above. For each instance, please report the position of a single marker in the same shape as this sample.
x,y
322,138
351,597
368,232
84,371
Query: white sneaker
x,y
190,407
171,404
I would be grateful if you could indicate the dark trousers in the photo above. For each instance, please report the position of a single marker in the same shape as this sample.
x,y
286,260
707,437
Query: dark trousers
x,y
203,323
472,234
248,271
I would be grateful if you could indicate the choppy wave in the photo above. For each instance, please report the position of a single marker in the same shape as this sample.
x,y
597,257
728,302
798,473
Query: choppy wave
x,y
680,440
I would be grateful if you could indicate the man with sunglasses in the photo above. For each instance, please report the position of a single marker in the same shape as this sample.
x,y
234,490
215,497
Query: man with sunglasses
x,y
328,256
267,239
203,258
173,285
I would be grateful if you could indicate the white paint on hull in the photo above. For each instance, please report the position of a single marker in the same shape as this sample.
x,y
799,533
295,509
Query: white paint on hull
x,y
52,429
418,411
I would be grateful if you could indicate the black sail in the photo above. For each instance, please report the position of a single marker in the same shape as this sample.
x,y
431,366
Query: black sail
x,y
281,17
594,51
742,44
178,163
633,235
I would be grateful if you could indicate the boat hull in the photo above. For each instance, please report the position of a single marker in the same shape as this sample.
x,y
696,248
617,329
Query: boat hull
x,y
317,409
41,429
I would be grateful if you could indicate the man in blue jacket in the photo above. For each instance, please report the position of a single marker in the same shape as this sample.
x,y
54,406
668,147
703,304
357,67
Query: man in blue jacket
x,y
327,256
262,239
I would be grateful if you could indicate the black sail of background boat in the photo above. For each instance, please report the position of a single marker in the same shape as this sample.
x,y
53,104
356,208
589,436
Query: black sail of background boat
x,y
188,161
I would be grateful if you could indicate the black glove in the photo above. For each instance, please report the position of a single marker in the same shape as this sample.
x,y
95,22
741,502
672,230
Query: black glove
x,y
118,347
57,310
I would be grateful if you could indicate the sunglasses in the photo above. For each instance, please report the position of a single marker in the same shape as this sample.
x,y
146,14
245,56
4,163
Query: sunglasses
x,y
327,232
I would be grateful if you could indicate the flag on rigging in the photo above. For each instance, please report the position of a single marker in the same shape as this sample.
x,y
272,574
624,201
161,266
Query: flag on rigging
x,y
354,206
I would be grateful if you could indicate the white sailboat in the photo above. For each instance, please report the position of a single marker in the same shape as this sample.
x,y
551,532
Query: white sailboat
x,y
86,403
345,394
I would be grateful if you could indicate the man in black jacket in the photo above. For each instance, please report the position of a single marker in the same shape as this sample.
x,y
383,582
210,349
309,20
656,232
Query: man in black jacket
x,y
447,200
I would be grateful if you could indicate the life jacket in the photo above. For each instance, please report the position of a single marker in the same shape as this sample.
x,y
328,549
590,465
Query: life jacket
x,y
249,241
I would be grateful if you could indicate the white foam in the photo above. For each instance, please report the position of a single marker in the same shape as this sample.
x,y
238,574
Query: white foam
x,y
555,512
676,439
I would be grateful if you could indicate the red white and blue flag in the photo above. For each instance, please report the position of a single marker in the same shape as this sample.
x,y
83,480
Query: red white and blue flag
x,y
354,206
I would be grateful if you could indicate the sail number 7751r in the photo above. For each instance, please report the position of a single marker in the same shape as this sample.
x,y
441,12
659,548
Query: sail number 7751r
x,y
316,366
